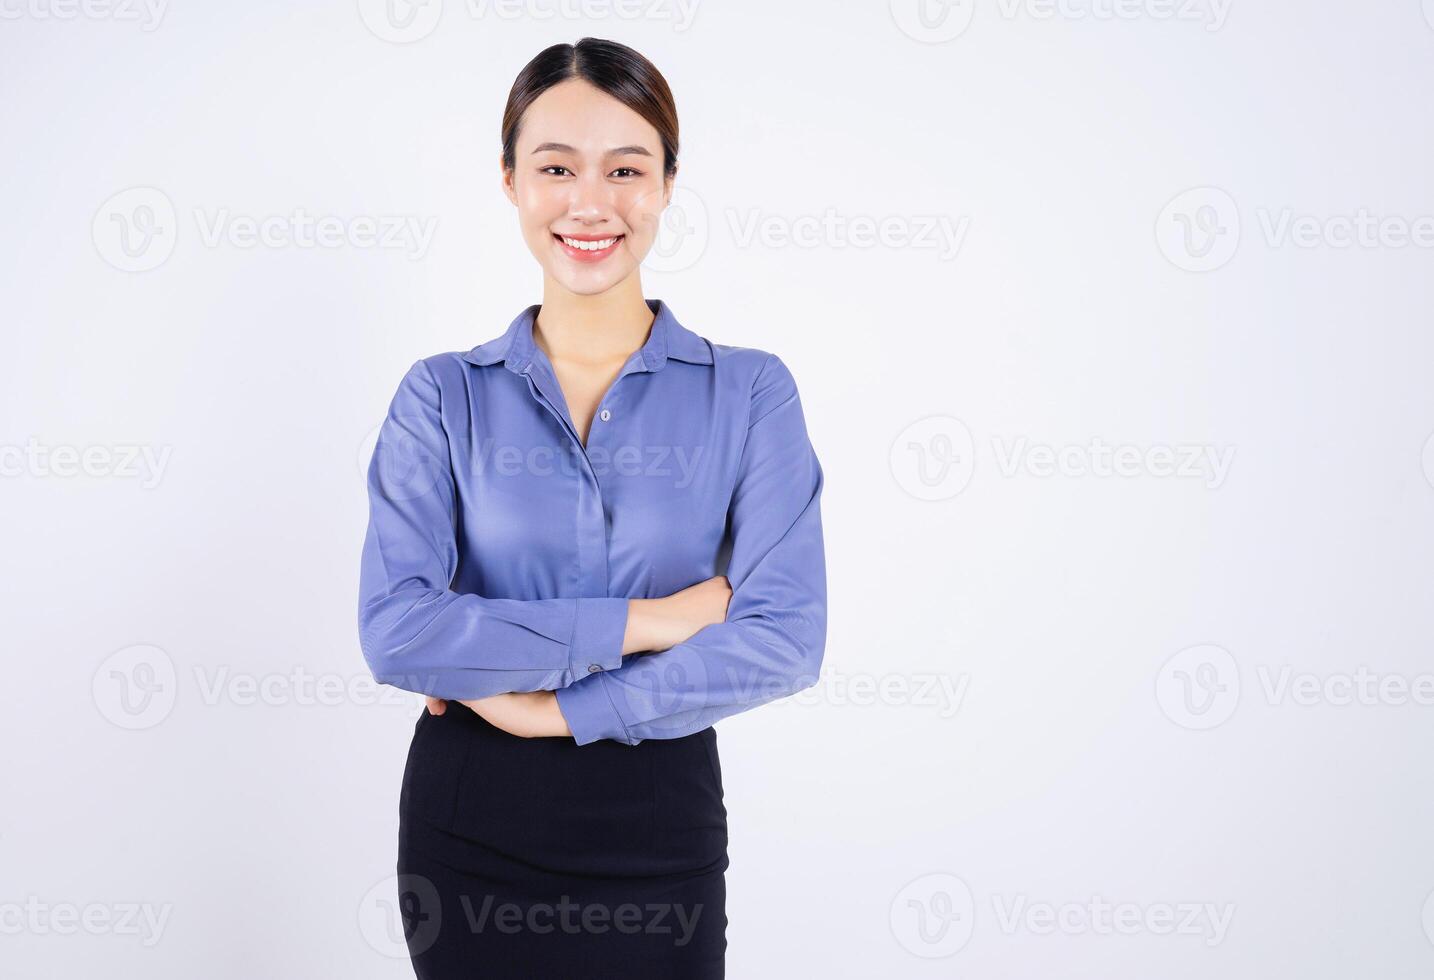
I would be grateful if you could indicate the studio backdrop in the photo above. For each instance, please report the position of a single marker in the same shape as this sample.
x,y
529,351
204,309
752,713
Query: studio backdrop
x,y
1111,322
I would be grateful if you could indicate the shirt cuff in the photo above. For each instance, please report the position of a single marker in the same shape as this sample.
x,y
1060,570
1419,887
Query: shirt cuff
x,y
589,710
599,626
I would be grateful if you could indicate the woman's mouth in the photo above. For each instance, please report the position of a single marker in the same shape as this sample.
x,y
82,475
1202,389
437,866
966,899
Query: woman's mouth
x,y
587,249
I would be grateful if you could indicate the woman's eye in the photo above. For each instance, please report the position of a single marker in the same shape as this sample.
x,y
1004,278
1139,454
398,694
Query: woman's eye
x,y
627,171
551,167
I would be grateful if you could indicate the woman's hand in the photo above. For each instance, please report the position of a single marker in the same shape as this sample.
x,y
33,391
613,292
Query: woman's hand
x,y
527,714
655,625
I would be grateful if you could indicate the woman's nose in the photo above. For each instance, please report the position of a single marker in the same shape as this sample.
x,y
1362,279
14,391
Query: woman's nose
x,y
591,200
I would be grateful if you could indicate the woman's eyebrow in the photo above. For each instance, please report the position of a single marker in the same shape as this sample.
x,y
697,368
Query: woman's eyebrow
x,y
615,152
625,150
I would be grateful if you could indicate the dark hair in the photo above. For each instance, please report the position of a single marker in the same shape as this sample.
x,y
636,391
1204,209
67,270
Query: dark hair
x,y
613,68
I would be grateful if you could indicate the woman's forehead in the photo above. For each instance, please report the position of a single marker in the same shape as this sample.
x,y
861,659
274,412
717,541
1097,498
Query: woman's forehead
x,y
583,117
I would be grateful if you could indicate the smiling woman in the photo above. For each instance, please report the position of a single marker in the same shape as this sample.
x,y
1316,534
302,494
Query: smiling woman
x,y
590,539
589,154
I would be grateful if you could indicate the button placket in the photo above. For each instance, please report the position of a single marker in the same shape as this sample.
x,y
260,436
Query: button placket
x,y
592,524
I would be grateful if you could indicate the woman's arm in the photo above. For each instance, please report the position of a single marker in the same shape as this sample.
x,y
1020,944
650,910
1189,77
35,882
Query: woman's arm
x,y
774,637
419,635
652,625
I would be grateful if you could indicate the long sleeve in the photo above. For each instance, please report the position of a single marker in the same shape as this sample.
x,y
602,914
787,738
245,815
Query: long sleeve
x,y
419,635
773,640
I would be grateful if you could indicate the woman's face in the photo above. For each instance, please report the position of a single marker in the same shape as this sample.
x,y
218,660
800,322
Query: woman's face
x,y
588,183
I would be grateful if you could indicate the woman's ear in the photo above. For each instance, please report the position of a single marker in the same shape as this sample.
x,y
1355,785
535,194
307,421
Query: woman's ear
x,y
507,180
668,183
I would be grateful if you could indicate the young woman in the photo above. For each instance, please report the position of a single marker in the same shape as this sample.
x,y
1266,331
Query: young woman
x,y
590,538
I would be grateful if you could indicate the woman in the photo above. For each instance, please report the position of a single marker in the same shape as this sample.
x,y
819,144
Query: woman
x,y
590,538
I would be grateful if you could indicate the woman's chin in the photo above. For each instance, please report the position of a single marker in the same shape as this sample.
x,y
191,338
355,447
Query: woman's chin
x,y
589,281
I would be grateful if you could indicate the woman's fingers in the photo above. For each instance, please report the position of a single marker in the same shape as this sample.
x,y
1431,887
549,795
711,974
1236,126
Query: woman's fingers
x,y
436,706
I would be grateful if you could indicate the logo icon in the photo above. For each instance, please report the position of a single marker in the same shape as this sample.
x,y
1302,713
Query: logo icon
x,y
1199,687
934,458
933,21
1428,917
400,464
135,230
664,688
400,21
400,916
933,916
682,233
1199,230
135,687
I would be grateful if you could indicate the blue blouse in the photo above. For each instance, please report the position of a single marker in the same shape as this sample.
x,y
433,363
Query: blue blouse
x,y
501,551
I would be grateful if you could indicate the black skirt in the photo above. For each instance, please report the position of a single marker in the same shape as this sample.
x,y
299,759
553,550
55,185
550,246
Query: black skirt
x,y
539,857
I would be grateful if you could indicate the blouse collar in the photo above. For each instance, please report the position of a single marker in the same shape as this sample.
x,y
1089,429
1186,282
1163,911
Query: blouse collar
x,y
668,338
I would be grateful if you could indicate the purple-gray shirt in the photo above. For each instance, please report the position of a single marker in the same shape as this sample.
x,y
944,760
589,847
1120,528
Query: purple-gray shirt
x,y
501,552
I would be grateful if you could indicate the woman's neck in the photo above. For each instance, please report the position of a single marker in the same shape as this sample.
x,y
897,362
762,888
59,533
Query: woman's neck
x,y
597,329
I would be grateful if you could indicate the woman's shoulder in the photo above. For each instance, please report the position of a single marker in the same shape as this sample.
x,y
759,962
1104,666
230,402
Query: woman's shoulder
x,y
440,368
755,363
762,373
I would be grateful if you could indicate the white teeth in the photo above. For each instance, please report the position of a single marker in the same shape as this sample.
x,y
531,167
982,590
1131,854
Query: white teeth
x,y
588,246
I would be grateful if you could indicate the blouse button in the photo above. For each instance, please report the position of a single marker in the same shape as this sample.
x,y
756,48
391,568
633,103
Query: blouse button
x,y
605,415
594,668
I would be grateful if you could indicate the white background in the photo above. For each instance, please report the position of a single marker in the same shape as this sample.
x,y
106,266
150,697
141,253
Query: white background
x,y
1012,721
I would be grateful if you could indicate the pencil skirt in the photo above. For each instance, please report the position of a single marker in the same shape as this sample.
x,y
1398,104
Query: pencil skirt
x,y
538,857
